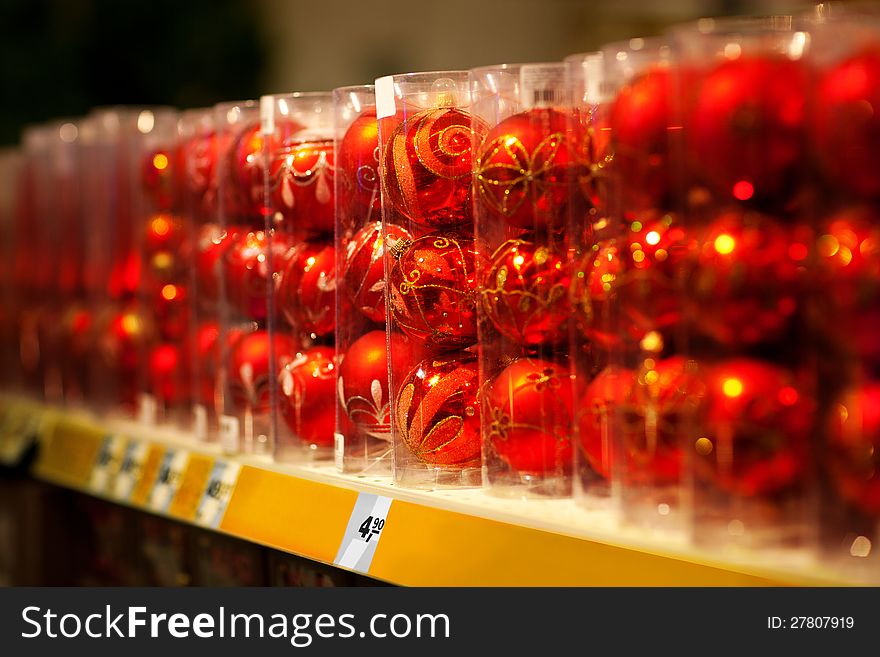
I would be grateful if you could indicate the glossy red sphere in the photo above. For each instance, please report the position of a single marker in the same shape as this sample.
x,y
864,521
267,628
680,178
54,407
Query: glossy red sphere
x,y
306,389
306,294
301,179
247,266
250,367
357,170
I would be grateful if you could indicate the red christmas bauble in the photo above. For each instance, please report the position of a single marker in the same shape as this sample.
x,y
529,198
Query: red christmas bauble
x,y
746,127
848,281
160,175
162,268
427,167
250,368
306,294
248,273
529,294
639,121
364,269
200,154
754,437
357,169
123,335
212,243
854,447
301,181
530,416
168,371
602,400
633,280
433,291
306,392
437,413
206,360
363,380
525,168
846,125
746,283
163,232
171,310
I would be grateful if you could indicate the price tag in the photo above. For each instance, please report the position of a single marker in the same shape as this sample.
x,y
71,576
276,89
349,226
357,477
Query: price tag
x,y
362,534
130,468
107,465
217,494
384,90
339,451
230,434
167,479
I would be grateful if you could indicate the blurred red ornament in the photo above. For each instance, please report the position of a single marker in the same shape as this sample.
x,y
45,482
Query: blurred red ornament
x,y
747,279
529,293
306,294
746,127
306,387
250,368
247,268
212,243
357,170
525,168
364,268
754,437
854,447
200,155
171,310
168,371
530,416
433,292
301,180
846,122
123,335
427,167
363,379
437,413
206,361
160,175
597,414
639,121
163,232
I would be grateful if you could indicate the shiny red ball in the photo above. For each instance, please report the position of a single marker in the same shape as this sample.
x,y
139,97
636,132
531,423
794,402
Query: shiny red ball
x,y
306,294
639,121
306,389
364,269
437,412
746,128
433,293
211,245
597,416
747,280
529,293
247,270
357,169
846,123
250,368
754,434
530,416
427,167
301,179
525,168
854,447
200,154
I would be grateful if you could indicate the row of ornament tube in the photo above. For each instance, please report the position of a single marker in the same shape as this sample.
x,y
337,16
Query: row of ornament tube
x,y
646,277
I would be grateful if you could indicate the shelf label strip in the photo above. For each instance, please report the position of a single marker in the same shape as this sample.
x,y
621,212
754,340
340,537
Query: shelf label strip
x,y
218,492
363,532
168,479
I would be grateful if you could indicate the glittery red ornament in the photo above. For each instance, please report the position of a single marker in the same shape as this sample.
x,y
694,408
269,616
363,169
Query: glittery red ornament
x,y
854,447
529,293
746,128
306,294
427,167
633,280
306,395
168,373
437,413
364,269
639,121
250,368
754,437
357,169
363,380
212,243
747,280
301,182
525,168
247,270
846,123
160,175
847,282
597,415
433,291
530,416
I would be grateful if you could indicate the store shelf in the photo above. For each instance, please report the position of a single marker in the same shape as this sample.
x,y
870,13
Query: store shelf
x,y
457,538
